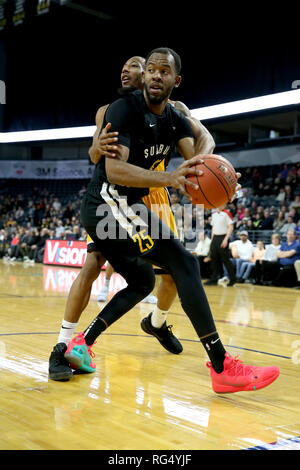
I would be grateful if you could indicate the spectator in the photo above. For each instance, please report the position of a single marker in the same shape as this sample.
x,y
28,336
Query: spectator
x,y
5,241
278,183
242,251
284,210
82,191
44,223
56,204
241,223
247,267
24,247
239,212
14,244
296,203
33,245
30,211
73,233
249,225
289,225
291,181
261,190
268,188
247,177
19,215
284,172
267,267
288,254
281,196
257,220
174,199
202,252
256,177
292,213
83,235
60,230
245,199
69,211
267,222
260,211
273,212
37,252
52,235
253,206
288,193
279,221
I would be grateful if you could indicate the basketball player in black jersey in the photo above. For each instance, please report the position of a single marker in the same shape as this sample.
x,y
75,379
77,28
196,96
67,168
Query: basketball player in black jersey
x,y
155,323
117,220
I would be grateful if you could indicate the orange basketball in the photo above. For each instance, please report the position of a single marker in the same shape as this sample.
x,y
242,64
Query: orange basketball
x,y
216,185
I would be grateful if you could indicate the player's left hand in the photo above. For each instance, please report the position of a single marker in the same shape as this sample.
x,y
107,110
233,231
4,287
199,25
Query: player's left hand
x,y
179,176
107,142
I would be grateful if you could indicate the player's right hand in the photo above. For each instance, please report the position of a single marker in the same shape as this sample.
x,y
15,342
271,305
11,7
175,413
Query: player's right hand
x,y
106,142
178,177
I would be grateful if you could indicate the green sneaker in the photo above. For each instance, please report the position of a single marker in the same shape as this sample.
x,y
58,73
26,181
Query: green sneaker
x,y
80,355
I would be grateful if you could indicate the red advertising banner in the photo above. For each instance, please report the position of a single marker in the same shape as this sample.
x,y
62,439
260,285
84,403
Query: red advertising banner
x,y
65,253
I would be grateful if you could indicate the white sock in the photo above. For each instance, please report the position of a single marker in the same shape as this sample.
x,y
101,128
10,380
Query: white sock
x,y
158,317
106,283
66,332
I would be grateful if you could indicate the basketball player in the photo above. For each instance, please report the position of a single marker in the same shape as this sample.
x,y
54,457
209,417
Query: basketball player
x,y
145,120
79,295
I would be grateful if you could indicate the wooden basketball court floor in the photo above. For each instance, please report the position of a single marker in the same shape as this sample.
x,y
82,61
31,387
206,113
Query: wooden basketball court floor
x,y
142,397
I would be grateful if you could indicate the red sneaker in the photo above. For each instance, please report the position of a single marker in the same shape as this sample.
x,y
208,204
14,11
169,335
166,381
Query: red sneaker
x,y
237,377
80,355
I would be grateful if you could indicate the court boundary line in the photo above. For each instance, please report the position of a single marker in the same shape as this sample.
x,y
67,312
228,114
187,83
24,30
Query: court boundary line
x,y
147,336
227,322
257,327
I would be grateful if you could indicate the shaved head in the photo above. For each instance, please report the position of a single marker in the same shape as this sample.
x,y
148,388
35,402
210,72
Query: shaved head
x,y
132,74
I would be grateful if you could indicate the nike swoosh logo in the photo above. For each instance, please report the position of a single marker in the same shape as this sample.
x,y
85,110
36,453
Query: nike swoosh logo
x,y
213,342
152,125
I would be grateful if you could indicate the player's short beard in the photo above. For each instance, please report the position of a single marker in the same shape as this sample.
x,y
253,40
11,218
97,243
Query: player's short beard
x,y
158,99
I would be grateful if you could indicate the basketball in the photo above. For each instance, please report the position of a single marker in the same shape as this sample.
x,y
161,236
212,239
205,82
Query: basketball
x,y
216,185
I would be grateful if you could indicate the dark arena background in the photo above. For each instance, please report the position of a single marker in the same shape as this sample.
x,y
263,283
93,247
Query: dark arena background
x,y
60,61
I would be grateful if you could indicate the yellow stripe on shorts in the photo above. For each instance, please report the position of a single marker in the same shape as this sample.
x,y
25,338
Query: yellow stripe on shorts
x,y
158,202
89,240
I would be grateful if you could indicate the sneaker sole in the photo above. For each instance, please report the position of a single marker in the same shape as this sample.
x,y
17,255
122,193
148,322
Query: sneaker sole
x,y
76,358
61,377
149,332
246,388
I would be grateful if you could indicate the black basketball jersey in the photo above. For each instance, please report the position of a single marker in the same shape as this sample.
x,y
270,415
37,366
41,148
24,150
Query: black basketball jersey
x,y
151,138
